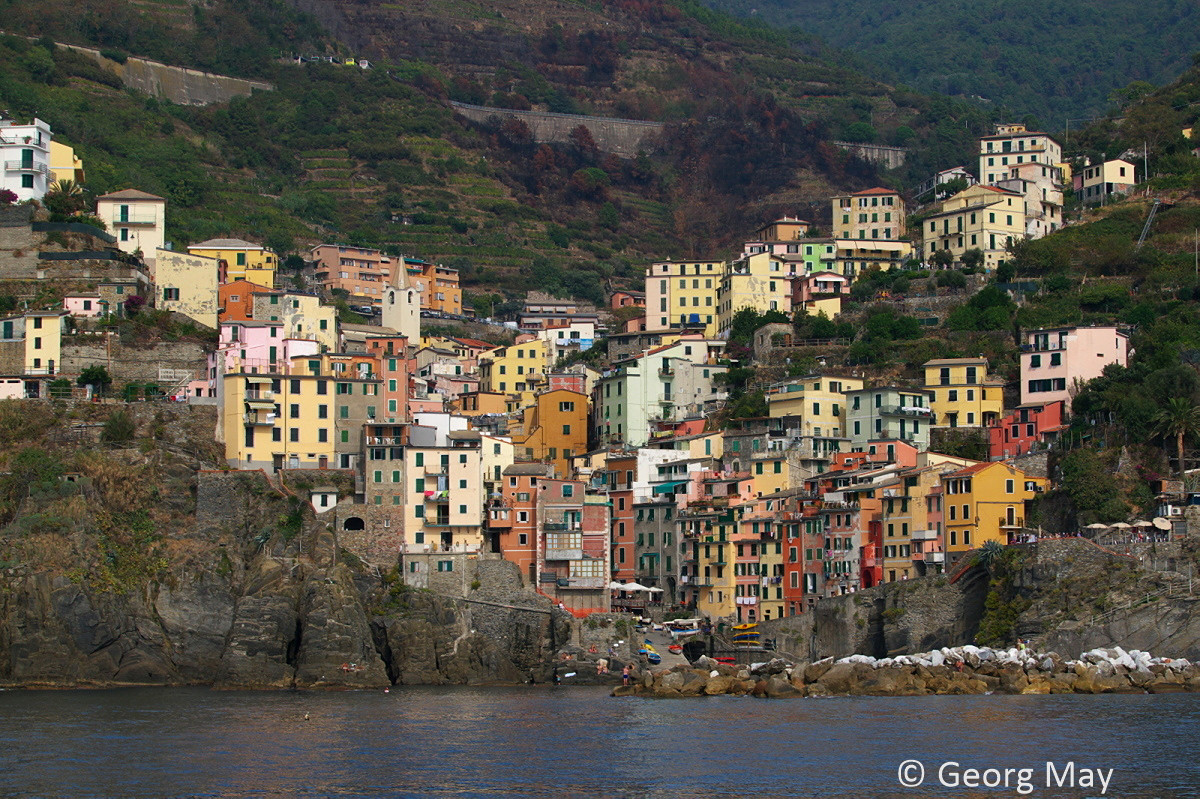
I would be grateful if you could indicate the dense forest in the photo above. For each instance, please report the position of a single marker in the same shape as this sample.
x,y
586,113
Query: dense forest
x,y
1054,59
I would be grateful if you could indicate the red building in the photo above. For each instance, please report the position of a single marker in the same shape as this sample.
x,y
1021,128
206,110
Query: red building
x,y
1027,426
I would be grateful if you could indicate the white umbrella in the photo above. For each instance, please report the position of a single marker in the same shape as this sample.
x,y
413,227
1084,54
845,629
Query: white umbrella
x,y
1097,526
615,586
1161,523
1142,523
634,587
654,590
1120,526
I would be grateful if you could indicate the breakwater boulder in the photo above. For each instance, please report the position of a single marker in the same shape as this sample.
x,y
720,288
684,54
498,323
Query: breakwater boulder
x,y
951,670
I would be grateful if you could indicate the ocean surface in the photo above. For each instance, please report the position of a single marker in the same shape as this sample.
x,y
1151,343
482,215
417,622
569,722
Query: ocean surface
x,y
579,742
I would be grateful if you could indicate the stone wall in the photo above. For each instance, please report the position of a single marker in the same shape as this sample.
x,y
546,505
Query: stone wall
x,y
130,363
18,245
177,84
624,137
381,538
1034,464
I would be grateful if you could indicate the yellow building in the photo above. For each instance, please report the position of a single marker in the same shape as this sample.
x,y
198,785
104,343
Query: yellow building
x,y
186,284
985,502
65,164
876,213
243,260
519,369
554,429
759,281
306,413
713,554
963,396
853,257
911,539
43,341
302,315
978,218
819,401
683,294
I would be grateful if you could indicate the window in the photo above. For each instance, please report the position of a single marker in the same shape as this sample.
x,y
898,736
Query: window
x,y
323,434
322,411
294,411
294,434
170,294
568,490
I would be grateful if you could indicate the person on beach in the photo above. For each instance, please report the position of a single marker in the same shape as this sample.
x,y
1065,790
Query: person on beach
x,y
626,674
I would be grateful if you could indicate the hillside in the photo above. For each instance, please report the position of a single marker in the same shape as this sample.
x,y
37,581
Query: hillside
x,y
1053,60
378,158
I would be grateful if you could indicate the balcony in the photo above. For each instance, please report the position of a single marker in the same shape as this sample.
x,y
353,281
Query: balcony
x,y
260,398
583,583
138,218
935,557
26,166
565,553
907,411
1015,523
666,371
259,420
385,441
924,535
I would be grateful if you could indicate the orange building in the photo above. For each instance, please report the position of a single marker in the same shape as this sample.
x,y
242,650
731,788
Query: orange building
x,y
235,300
438,285
554,429
512,516
362,273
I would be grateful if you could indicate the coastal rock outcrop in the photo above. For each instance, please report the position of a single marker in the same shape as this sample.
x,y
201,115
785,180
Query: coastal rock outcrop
x,y
957,670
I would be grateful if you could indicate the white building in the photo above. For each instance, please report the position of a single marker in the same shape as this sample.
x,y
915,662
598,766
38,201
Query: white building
x,y
26,157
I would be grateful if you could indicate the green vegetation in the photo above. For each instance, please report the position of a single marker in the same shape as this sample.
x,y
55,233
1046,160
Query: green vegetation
x,y
1004,604
1027,57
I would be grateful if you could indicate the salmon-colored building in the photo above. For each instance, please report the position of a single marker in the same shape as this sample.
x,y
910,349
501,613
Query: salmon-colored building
x,y
235,300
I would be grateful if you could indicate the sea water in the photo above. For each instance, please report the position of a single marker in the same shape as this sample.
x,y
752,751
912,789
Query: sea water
x,y
568,742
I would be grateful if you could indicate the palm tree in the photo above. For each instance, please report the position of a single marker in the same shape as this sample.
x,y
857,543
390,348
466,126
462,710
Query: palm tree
x,y
988,556
1180,418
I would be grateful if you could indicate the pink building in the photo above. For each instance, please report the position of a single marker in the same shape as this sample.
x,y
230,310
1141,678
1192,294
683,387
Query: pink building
x,y
82,305
1052,360
809,289
1019,431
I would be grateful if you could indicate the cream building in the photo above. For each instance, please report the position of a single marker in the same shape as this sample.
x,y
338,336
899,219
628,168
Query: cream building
x,y
818,401
759,281
186,284
986,218
1012,145
138,220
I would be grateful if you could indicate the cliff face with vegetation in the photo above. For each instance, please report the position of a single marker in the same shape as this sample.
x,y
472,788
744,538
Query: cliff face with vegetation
x,y
1064,595
127,561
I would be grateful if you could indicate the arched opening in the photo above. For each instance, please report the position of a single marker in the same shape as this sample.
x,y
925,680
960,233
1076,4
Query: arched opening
x,y
353,523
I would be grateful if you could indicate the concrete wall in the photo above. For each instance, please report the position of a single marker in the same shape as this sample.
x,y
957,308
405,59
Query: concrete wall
x,y
887,157
177,84
624,137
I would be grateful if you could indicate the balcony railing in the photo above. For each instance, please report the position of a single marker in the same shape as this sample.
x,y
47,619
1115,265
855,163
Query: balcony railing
x,y
935,557
265,420
924,535
142,218
1013,523
583,583
26,166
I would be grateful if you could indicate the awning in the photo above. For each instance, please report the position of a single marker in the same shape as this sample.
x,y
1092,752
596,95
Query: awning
x,y
669,488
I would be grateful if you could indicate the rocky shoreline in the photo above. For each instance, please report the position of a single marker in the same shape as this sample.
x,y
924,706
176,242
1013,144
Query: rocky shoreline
x,y
949,671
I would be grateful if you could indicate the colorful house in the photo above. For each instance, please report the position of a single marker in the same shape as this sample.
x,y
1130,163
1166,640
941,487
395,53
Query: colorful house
x,y
243,260
985,218
986,502
138,220
963,396
1056,360
187,284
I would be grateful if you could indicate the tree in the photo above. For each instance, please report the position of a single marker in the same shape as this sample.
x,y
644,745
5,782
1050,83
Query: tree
x,y
119,427
952,187
973,258
95,376
1181,418
941,259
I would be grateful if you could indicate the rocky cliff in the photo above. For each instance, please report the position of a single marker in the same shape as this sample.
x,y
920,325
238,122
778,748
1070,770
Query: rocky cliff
x,y
131,564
